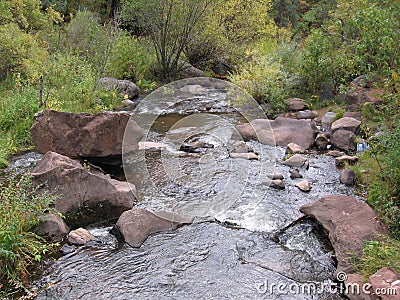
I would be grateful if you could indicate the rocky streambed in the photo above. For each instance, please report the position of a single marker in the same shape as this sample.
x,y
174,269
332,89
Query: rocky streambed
x,y
217,211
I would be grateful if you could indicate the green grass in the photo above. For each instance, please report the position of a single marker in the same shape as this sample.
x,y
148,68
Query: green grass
x,y
379,254
20,246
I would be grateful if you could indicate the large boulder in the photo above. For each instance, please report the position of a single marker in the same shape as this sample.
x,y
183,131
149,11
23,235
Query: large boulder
x,y
385,284
347,123
280,131
186,70
350,224
125,87
83,135
344,140
79,187
296,104
137,224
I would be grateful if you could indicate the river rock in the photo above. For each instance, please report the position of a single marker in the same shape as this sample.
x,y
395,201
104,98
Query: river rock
x,y
347,123
194,89
80,236
304,186
239,147
385,279
248,156
186,70
328,119
275,176
295,173
275,184
280,131
344,140
297,160
322,141
293,148
305,114
83,135
335,153
125,87
295,104
151,145
350,224
137,224
79,187
347,177
341,160
195,147
52,227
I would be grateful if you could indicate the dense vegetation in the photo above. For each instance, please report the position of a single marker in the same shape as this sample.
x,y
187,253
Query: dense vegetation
x,y
272,48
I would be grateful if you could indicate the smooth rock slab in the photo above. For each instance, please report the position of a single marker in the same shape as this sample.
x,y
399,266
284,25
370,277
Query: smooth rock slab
x,y
350,224
78,187
280,131
83,135
137,224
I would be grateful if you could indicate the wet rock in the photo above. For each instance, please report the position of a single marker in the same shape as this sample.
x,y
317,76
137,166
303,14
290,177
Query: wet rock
x,y
79,187
343,159
186,70
344,140
125,87
353,114
137,224
295,173
328,119
304,186
83,135
150,145
80,236
248,156
128,103
386,279
280,131
52,227
295,104
297,160
293,148
305,114
275,184
275,176
347,177
346,123
195,147
322,141
350,224
194,89
67,249
239,147
335,153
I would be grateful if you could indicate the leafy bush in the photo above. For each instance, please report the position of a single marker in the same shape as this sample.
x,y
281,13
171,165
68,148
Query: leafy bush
x,y
379,254
20,247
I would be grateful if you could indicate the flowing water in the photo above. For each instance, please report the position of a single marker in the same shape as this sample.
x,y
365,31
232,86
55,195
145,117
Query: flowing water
x,y
247,239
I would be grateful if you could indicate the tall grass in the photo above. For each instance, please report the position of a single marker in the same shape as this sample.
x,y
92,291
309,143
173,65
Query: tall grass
x,y
20,209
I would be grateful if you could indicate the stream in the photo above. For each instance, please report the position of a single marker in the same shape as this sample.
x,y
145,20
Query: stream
x,y
247,240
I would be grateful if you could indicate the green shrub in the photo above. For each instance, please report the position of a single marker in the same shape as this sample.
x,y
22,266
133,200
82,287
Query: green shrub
x,y
20,247
379,254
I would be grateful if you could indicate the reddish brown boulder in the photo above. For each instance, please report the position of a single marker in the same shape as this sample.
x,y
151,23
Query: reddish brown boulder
x,y
280,131
296,104
78,186
80,236
347,123
344,140
137,224
350,224
83,135
385,284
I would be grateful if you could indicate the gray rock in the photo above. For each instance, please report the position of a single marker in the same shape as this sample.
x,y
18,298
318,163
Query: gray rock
x,y
347,177
344,140
296,104
341,160
275,184
305,114
125,87
80,236
52,227
137,224
248,156
275,176
328,119
297,160
304,186
194,89
347,123
186,70
295,173
293,148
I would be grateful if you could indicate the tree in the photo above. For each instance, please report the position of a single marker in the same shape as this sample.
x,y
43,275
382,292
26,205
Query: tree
x,y
170,25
